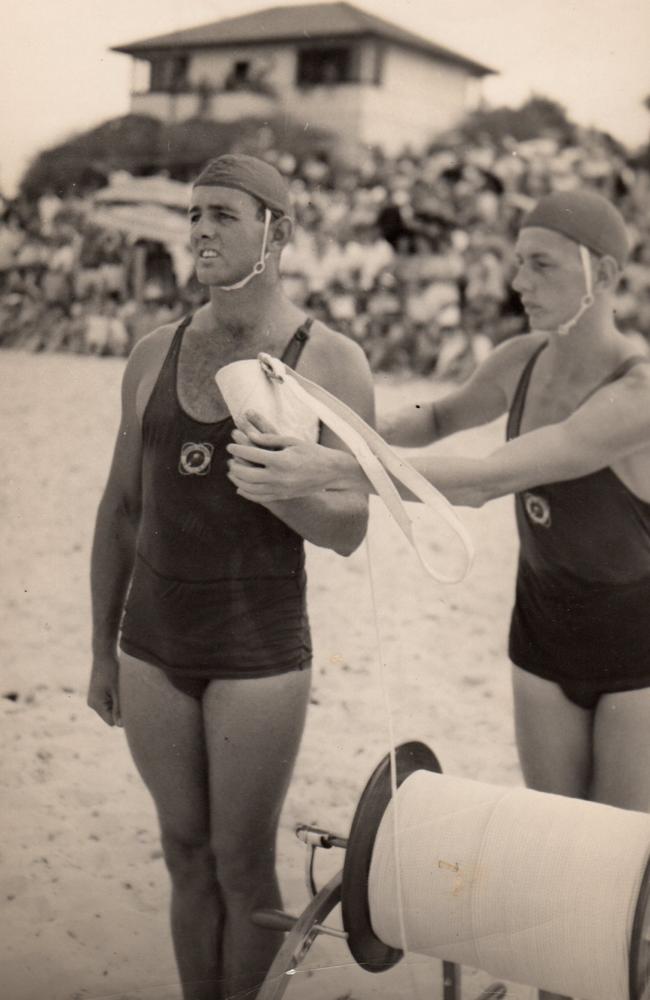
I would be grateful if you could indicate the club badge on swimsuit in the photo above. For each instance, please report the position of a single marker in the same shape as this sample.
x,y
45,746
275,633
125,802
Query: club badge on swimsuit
x,y
195,458
538,509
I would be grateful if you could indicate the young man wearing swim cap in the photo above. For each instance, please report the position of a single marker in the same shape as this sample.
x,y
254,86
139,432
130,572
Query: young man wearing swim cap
x,y
207,590
578,460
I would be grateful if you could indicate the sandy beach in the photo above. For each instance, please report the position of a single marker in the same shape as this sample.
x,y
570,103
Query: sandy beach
x,y
84,890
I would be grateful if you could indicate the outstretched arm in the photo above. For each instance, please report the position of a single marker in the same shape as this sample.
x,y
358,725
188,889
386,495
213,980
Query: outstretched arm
x,y
611,425
481,399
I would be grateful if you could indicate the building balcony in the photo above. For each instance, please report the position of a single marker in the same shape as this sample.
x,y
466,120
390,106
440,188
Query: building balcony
x,y
224,107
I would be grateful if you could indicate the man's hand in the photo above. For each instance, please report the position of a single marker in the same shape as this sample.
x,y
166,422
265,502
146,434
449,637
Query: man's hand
x,y
267,467
103,690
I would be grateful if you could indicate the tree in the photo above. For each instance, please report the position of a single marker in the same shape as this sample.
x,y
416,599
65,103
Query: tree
x,y
84,162
144,145
538,116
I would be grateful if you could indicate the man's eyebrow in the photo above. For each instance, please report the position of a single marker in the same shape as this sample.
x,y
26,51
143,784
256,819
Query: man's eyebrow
x,y
534,255
213,206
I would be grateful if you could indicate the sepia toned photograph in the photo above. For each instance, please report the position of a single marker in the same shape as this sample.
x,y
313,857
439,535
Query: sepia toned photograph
x,y
325,355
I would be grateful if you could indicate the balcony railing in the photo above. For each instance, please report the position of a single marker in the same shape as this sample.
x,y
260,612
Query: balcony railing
x,y
191,102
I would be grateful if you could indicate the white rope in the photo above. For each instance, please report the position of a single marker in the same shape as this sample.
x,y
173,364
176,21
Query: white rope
x,y
388,714
377,459
374,457
294,405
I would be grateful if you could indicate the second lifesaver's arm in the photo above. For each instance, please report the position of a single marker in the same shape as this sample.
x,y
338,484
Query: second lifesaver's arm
x,y
612,425
298,470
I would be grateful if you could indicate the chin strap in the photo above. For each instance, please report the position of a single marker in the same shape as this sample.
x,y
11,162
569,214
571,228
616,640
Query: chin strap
x,y
587,298
260,266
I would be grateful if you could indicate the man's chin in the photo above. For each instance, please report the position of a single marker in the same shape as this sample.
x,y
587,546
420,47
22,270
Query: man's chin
x,y
210,279
540,323
214,277
544,326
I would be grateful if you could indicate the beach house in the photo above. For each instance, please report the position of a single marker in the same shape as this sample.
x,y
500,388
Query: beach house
x,y
331,66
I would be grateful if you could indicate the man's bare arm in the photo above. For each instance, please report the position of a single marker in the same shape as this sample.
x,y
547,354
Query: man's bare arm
x,y
485,396
612,425
337,518
113,550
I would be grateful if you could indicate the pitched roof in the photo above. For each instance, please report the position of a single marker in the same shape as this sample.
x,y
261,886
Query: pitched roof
x,y
305,21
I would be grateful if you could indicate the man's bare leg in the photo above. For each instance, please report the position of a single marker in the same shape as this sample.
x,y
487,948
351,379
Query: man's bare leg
x,y
622,750
164,728
554,741
253,729
554,737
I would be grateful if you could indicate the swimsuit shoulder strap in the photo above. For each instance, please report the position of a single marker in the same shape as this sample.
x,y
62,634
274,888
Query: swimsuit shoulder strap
x,y
519,398
296,345
174,349
171,357
165,382
175,345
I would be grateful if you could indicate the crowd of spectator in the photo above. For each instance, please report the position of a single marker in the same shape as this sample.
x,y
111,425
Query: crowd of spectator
x,y
411,256
65,284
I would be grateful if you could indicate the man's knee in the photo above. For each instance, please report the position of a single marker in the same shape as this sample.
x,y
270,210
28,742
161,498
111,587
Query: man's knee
x,y
244,865
189,859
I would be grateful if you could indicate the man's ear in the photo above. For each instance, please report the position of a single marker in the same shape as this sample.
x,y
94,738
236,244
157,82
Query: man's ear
x,y
281,232
607,273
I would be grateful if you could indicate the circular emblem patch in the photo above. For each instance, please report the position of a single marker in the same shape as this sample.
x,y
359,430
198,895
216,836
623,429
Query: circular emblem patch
x,y
538,509
195,459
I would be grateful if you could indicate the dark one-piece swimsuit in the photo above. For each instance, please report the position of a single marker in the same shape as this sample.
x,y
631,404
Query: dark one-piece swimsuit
x,y
582,608
218,586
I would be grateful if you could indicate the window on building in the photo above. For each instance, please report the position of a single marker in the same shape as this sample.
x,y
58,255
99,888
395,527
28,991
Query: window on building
x,y
169,74
327,65
239,76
